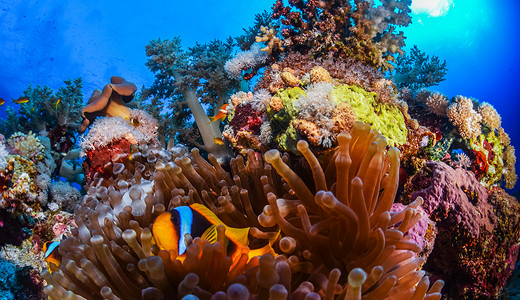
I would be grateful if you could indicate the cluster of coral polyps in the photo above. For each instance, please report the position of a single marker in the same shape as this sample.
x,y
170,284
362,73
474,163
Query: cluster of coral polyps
x,y
467,133
27,175
338,235
314,100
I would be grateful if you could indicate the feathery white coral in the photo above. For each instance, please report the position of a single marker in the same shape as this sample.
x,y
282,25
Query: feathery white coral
x,y
490,116
245,60
64,195
3,156
437,103
142,130
467,120
316,108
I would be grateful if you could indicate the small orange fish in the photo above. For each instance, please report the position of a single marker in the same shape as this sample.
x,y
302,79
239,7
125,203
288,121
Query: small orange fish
x,y
218,141
52,256
222,113
57,102
2,101
21,100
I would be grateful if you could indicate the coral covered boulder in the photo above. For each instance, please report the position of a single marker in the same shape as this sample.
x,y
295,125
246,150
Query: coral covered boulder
x,y
479,229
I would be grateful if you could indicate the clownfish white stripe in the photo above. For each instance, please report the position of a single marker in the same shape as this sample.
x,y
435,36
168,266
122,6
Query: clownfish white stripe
x,y
186,220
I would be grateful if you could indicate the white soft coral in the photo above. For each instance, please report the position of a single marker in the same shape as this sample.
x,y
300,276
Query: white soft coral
x,y
140,129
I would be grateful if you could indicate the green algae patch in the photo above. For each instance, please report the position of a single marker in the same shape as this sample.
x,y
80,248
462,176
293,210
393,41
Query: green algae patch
x,y
385,118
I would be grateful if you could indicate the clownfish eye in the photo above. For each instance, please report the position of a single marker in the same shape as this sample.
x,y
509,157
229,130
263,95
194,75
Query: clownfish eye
x,y
175,220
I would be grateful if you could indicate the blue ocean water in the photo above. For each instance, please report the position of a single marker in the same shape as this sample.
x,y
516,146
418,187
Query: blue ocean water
x,y
48,42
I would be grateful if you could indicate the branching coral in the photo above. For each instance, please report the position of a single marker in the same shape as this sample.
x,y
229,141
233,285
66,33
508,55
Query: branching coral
x,y
190,79
418,70
46,110
111,254
358,30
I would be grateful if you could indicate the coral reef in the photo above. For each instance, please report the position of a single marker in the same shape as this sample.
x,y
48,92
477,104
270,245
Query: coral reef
x,y
112,255
306,101
191,79
477,244
18,282
45,110
362,30
466,132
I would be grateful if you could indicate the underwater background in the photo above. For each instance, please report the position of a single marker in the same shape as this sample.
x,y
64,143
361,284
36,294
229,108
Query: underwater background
x,y
48,43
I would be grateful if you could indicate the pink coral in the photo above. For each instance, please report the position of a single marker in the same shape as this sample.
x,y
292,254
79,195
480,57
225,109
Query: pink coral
x,y
478,230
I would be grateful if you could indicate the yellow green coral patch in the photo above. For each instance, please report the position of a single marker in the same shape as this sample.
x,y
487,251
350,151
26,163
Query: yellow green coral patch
x,y
385,118
492,148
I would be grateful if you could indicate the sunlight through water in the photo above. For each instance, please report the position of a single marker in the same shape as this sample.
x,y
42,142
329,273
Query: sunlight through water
x,y
434,8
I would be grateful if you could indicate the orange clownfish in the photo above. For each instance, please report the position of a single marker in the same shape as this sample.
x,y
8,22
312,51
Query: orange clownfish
x,y
21,100
50,249
197,220
222,113
57,102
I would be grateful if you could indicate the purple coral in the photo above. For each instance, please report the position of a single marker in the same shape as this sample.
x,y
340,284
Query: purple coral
x,y
476,246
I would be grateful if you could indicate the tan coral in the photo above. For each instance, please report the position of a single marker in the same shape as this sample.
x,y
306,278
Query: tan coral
x,y
503,137
289,79
309,131
319,74
274,43
276,103
465,118
490,116
108,103
437,103
509,171
343,118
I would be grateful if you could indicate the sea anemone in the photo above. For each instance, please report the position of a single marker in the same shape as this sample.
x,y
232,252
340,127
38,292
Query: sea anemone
x,y
330,245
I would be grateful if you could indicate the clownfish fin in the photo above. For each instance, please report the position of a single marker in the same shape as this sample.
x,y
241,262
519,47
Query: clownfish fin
x,y
210,234
267,249
207,213
238,236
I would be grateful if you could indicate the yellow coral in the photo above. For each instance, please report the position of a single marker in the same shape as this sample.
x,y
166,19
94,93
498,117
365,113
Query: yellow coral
x,y
289,79
319,74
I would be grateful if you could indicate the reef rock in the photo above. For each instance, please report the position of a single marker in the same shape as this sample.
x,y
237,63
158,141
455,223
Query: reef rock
x,y
478,230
